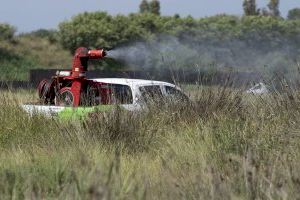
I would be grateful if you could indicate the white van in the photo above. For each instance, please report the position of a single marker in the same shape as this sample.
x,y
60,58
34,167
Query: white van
x,y
131,94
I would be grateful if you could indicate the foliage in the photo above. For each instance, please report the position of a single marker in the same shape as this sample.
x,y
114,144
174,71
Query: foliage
x,y
250,7
51,35
144,6
154,7
294,14
94,30
150,7
102,30
274,8
6,32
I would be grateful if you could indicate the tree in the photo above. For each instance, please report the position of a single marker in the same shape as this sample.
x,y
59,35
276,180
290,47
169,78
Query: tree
x,y
250,7
264,12
274,8
294,14
7,32
154,6
177,16
144,6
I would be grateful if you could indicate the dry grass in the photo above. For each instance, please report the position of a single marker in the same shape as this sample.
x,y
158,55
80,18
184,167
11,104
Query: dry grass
x,y
227,146
27,52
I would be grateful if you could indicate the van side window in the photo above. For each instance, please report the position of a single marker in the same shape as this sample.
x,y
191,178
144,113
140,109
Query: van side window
x,y
115,94
151,93
121,94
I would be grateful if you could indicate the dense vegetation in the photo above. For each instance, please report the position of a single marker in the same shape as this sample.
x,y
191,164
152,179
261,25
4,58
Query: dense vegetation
x,y
228,146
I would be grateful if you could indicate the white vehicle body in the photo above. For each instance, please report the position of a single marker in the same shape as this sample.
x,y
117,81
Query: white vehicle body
x,y
135,85
258,89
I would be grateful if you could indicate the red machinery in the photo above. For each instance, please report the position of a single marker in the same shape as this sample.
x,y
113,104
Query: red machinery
x,y
71,88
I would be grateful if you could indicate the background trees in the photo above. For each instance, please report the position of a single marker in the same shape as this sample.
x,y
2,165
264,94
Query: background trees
x,y
294,14
99,29
6,32
274,8
154,7
250,7
144,6
150,7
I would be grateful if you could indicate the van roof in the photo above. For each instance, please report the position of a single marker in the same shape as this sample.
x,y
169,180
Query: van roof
x,y
126,81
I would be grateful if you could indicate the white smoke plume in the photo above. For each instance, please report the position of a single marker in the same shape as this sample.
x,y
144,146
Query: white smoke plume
x,y
237,55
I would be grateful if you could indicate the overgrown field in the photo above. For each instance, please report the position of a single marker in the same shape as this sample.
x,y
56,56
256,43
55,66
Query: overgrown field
x,y
228,145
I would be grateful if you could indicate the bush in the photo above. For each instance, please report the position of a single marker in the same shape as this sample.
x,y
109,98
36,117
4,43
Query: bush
x,y
7,32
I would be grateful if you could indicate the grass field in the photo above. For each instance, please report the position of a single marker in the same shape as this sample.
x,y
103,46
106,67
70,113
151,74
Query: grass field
x,y
228,145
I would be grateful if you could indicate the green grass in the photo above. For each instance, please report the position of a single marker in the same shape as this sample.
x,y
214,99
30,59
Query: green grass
x,y
227,146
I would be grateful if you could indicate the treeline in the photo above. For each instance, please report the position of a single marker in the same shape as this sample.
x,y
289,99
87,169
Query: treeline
x,y
100,29
258,25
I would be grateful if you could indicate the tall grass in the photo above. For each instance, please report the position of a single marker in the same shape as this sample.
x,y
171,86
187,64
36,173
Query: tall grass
x,y
226,145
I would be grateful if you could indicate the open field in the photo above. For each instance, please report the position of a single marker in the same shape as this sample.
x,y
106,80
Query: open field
x,y
227,146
